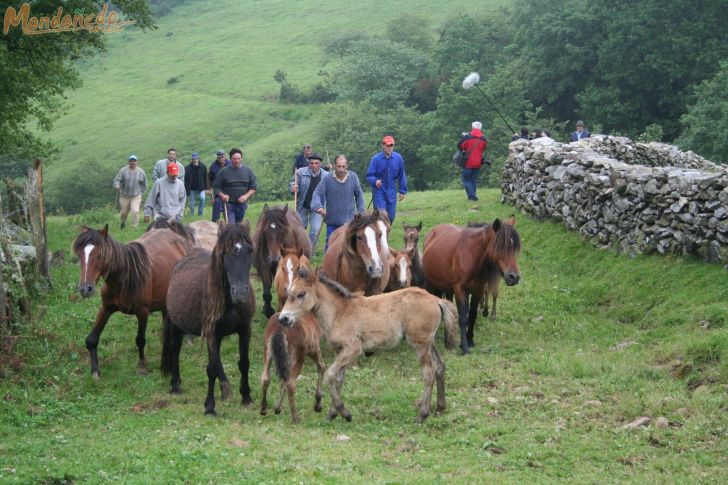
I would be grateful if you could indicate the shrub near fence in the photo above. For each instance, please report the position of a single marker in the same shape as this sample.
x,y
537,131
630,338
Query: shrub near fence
x,y
635,197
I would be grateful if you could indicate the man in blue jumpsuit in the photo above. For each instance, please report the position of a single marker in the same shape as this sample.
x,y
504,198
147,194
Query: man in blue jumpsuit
x,y
387,177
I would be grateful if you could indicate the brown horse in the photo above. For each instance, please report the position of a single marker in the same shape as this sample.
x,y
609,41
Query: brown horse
x,y
461,261
289,347
201,234
287,270
354,324
136,277
277,228
210,294
400,275
358,254
411,240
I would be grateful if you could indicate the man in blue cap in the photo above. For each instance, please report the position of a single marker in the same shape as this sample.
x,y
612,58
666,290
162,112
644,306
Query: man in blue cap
x,y
196,184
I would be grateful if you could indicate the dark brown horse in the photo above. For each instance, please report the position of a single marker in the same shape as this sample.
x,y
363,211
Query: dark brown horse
x,y
358,256
411,246
461,261
136,277
210,293
277,228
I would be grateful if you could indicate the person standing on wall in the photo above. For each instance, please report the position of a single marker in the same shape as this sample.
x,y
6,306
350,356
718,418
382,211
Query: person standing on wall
x,y
387,178
474,145
580,132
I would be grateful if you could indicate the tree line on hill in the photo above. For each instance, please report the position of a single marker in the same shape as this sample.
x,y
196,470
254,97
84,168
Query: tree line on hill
x,y
649,70
653,71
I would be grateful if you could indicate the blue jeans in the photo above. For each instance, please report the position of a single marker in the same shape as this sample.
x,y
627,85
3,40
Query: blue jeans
x,y
216,208
469,178
330,228
316,219
197,198
236,212
381,202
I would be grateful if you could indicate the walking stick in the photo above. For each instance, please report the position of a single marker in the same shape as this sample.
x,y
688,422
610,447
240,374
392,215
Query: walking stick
x,y
295,194
315,241
224,211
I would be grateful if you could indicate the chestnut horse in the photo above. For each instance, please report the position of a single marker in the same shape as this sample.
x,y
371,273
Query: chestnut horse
x,y
411,240
354,324
400,275
210,294
289,347
136,277
287,270
277,228
358,256
461,261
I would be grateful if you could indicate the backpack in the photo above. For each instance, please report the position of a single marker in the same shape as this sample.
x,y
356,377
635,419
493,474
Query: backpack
x,y
459,158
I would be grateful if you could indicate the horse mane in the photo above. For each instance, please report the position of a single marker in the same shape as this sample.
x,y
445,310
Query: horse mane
x,y
506,240
274,215
218,287
128,264
177,227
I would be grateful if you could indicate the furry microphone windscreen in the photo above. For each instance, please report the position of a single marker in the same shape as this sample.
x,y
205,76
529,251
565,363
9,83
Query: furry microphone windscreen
x,y
471,80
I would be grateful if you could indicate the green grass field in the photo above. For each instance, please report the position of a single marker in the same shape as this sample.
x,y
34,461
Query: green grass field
x,y
223,56
588,342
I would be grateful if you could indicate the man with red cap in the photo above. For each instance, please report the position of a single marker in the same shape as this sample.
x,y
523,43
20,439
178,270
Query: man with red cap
x,y
387,177
167,197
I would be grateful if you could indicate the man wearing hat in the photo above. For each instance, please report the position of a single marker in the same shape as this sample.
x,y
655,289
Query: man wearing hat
x,y
167,198
303,184
387,177
218,164
580,132
474,145
130,183
196,184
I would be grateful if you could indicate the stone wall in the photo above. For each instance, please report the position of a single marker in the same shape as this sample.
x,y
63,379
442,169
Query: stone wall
x,y
634,197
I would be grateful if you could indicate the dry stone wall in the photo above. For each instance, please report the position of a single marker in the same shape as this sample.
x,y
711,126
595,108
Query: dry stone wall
x,y
634,197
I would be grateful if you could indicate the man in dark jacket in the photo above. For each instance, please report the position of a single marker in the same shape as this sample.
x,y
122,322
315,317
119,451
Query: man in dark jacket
x,y
301,160
196,184
474,145
580,132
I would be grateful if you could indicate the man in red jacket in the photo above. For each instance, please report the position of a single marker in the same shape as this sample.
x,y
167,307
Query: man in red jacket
x,y
474,145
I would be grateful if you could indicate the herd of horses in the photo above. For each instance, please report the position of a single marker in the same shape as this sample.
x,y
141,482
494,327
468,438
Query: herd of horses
x,y
366,296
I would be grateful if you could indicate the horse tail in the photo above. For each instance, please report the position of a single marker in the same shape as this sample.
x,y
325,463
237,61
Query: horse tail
x,y
449,315
167,353
279,348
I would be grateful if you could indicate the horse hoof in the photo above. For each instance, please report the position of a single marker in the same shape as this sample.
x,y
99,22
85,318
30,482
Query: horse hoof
x,y
210,413
246,401
317,408
277,410
296,420
175,390
465,350
346,415
332,414
471,344
421,418
264,412
96,376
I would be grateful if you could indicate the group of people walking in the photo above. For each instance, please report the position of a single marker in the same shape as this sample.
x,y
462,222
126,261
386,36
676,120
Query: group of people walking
x,y
333,194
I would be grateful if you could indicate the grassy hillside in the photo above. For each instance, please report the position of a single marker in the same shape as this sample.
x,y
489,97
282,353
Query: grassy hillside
x,y
204,79
588,342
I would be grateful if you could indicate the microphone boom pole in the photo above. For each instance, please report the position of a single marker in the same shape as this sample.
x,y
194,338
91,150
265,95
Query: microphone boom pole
x,y
471,80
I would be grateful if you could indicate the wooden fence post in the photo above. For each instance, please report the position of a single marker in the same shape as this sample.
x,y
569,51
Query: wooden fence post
x,y
36,214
